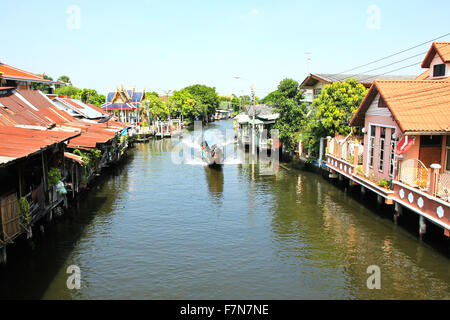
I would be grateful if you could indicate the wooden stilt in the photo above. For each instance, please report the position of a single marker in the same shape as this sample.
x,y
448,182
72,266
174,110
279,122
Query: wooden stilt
x,y
422,227
3,255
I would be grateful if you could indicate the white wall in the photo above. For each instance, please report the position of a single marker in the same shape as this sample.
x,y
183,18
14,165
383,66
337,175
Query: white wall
x,y
437,60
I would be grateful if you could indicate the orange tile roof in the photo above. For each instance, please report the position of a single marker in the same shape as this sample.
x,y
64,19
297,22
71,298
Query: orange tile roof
x,y
415,105
12,73
423,76
440,48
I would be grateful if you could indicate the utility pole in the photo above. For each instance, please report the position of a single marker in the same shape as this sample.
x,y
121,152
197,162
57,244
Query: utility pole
x,y
254,116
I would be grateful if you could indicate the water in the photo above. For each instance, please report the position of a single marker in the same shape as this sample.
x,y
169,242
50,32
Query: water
x,y
154,230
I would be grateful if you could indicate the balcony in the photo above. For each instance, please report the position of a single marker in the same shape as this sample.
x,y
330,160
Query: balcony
x,y
345,156
424,190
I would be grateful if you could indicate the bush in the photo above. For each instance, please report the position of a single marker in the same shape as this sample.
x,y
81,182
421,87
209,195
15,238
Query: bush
x,y
54,176
384,183
24,210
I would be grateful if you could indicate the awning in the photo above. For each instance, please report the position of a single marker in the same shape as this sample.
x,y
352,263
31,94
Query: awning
x,y
74,157
242,118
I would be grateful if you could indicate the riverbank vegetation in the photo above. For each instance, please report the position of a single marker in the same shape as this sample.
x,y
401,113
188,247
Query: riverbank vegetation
x,y
66,89
330,112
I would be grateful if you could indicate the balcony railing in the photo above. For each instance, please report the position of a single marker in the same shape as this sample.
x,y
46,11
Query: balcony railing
x,y
414,173
443,186
349,149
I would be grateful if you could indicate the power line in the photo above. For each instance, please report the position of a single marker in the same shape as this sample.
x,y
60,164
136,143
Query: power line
x,y
393,55
382,74
388,65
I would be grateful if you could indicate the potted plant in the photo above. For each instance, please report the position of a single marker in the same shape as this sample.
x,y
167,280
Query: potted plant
x,y
384,183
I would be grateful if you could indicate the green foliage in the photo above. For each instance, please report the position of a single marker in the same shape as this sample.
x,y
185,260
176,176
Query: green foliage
x,y
206,97
183,103
152,93
336,105
65,79
360,170
383,183
235,104
54,176
156,107
90,158
292,112
68,91
45,88
24,210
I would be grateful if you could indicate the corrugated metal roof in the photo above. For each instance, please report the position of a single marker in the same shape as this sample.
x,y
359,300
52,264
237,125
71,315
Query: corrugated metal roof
x,y
16,143
46,107
30,108
16,110
80,108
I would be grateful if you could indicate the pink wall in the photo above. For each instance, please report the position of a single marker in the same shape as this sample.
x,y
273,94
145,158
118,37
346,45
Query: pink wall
x,y
389,124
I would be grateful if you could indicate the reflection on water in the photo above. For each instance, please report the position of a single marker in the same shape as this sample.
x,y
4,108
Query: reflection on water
x,y
156,230
215,180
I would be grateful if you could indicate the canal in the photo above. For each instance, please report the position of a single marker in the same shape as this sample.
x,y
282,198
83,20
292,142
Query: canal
x,y
153,229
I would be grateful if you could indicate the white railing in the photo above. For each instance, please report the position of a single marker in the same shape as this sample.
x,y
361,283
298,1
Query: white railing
x,y
443,186
415,174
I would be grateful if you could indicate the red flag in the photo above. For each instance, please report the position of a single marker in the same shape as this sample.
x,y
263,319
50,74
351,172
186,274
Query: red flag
x,y
405,143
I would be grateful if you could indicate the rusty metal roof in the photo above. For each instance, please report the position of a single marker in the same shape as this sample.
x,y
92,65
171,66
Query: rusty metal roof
x,y
17,143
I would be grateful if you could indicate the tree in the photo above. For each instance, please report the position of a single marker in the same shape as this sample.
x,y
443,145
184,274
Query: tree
x,y
291,121
183,102
156,107
235,104
287,101
152,93
87,95
246,100
205,96
68,91
336,105
44,87
98,100
65,79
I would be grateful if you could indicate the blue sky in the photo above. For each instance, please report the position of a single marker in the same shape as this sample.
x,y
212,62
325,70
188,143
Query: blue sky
x,y
167,45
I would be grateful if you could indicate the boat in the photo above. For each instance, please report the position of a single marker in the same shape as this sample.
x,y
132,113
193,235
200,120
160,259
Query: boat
x,y
212,155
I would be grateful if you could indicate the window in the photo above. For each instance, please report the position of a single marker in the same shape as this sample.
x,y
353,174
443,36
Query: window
x,y
317,93
371,144
447,166
393,137
430,141
439,70
382,147
382,103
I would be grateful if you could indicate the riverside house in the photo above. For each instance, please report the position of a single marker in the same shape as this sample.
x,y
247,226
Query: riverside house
x,y
314,82
404,156
38,138
261,118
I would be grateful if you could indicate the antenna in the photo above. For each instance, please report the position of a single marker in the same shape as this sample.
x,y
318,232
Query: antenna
x,y
308,61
